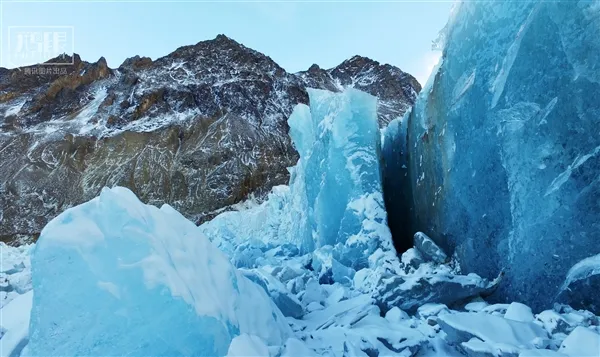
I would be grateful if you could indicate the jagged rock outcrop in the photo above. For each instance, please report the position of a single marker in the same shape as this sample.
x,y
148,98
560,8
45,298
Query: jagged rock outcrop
x,y
201,129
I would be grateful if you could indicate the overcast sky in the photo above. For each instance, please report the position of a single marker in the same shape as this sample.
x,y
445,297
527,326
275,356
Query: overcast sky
x,y
294,34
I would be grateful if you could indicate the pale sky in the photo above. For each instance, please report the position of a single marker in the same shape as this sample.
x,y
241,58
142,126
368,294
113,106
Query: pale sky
x,y
294,34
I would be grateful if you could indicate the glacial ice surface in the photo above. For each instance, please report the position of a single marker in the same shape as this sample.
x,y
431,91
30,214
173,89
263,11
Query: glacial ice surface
x,y
116,277
503,148
334,202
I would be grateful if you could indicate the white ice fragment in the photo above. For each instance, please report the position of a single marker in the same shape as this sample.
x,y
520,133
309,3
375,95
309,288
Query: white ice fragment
x,y
476,306
519,312
395,315
582,342
246,345
296,348
462,326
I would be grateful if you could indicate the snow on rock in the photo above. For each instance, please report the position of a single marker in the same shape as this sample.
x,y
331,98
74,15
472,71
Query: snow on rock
x,y
428,249
540,353
411,259
464,326
427,285
395,315
113,270
553,322
476,305
431,309
14,325
356,325
475,347
15,272
582,342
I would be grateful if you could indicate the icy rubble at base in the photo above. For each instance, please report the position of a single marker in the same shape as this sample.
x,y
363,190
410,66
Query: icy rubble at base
x,y
14,325
336,319
15,272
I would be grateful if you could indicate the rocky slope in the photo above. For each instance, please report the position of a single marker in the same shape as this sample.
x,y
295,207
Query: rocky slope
x,y
201,128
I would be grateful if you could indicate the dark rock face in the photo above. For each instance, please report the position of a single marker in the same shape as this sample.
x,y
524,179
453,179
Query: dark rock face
x,y
503,149
200,129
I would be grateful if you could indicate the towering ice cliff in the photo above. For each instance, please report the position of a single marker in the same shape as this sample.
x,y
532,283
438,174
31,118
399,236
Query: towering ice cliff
x,y
504,149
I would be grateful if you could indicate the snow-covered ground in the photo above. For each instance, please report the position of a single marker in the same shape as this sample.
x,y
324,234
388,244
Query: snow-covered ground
x,y
15,272
340,320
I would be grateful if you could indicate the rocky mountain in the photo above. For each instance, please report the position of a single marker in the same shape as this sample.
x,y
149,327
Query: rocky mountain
x,y
200,129
396,90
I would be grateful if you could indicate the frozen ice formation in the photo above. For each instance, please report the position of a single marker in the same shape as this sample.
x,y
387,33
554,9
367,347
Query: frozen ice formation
x,y
581,342
116,277
464,326
503,148
334,200
582,280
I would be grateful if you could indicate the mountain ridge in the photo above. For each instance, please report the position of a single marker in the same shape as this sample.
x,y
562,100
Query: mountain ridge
x,y
201,128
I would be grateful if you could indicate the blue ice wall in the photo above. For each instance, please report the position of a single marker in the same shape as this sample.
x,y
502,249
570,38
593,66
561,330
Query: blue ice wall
x,y
504,148
338,140
334,200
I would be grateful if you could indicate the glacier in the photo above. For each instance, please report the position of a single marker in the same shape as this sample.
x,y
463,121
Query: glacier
x,y
114,276
490,187
502,148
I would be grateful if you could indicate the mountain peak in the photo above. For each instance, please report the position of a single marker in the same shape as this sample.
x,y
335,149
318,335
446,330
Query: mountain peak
x,y
360,60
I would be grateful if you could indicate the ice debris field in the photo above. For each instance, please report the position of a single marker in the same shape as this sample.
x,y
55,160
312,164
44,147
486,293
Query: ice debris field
x,y
309,272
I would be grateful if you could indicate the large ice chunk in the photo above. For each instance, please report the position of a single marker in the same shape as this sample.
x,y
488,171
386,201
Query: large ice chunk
x,y
463,326
339,143
582,342
503,148
335,192
116,277
14,325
